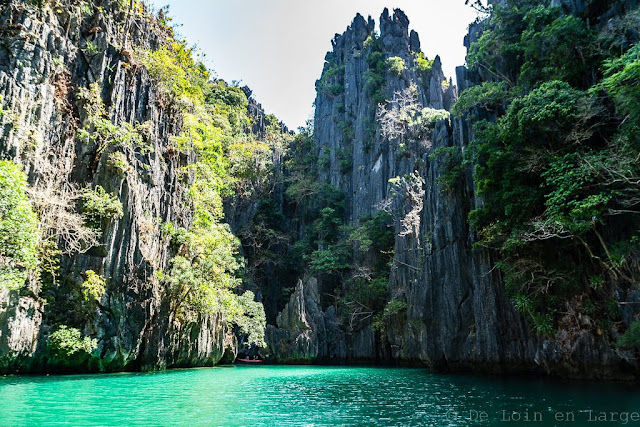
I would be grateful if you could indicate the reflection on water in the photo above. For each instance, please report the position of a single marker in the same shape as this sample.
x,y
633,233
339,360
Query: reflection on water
x,y
311,396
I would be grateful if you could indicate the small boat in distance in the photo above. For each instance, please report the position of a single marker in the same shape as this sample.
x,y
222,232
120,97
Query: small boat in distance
x,y
248,360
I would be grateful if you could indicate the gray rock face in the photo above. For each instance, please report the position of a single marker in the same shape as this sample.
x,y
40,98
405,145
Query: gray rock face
x,y
361,161
21,319
457,314
47,56
306,333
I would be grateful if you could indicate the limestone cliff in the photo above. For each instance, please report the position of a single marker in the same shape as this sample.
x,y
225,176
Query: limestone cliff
x,y
48,53
447,304
357,158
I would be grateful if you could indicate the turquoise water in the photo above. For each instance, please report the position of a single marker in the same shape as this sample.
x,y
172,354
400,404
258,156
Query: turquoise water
x,y
309,396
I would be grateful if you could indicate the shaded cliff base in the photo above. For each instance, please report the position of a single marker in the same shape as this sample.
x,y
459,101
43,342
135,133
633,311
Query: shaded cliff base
x,y
306,333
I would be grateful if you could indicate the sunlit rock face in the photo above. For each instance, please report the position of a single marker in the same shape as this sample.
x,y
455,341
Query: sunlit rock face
x,y
455,309
46,56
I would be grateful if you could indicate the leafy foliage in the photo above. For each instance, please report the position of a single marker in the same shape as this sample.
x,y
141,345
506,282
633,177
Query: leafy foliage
x,y
19,233
99,205
555,154
94,286
621,82
180,79
332,80
394,308
374,240
67,341
453,166
424,122
205,276
118,163
333,260
396,65
631,338
248,315
103,132
488,96
375,76
423,65
404,118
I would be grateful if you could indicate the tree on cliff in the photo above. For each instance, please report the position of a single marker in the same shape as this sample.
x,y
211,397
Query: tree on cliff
x,y
558,168
18,228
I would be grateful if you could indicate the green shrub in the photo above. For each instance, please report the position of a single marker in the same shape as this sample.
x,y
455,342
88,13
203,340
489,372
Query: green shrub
x,y
68,341
178,76
19,233
324,160
396,65
374,233
395,307
488,96
178,236
336,89
423,65
452,166
621,81
248,314
371,42
631,338
375,76
3,111
118,163
402,151
422,125
100,130
331,82
204,278
94,287
346,161
330,261
543,324
99,205
366,292
328,224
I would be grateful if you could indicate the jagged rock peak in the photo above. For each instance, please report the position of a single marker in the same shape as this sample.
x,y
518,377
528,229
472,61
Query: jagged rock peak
x,y
414,41
394,31
359,30
396,25
359,23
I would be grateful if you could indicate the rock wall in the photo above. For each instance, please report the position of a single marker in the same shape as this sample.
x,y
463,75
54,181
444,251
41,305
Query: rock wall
x,y
305,332
361,161
46,55
457,315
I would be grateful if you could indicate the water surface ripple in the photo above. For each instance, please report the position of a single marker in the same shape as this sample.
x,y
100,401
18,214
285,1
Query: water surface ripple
x,y
310,396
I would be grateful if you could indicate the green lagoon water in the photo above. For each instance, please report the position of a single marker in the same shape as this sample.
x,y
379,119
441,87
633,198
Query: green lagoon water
x,y
309,396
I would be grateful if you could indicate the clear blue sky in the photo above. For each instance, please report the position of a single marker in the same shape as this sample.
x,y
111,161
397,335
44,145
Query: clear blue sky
x,y
277,47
